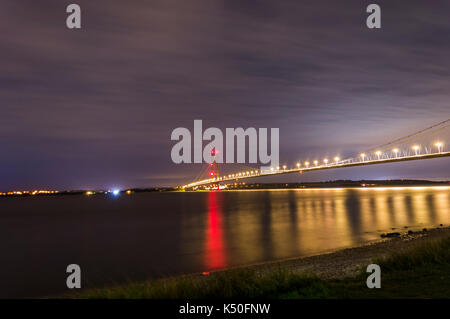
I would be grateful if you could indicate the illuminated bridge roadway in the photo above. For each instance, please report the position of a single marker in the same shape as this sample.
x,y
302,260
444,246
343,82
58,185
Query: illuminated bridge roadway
x,y
412,147
360,161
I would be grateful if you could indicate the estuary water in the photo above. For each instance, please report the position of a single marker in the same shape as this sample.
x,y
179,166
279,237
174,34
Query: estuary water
x,y
149,235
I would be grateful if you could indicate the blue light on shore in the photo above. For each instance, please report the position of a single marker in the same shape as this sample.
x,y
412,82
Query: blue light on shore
x,y
116,192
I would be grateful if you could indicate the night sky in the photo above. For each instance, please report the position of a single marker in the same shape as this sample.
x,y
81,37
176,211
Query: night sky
x,y
94,108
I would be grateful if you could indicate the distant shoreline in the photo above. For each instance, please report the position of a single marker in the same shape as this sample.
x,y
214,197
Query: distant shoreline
x,y
341,184
238,186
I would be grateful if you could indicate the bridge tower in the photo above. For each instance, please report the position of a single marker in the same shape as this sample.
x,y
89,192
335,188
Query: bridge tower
x,y
214,172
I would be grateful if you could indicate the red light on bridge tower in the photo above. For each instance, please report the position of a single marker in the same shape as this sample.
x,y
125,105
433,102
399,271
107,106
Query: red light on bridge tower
x,y
215,172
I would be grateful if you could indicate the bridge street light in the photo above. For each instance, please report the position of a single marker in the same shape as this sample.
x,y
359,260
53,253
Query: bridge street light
x,y
336,159
306,164
439,145
363,155
416,149
378,153
316,162
325,160
395,150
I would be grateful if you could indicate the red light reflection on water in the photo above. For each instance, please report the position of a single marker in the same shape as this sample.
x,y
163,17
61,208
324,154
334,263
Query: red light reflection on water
x,y
214,244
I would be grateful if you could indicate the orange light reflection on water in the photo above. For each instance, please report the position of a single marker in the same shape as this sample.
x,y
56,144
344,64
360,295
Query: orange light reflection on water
x,y
245,227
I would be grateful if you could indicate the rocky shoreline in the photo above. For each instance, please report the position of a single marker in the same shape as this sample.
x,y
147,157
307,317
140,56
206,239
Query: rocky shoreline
x,y
344,263
349,261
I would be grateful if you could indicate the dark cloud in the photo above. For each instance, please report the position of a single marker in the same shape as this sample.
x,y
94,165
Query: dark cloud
x,y
95,107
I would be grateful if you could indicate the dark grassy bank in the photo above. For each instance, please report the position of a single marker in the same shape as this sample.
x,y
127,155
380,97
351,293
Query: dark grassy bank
x,y
423,271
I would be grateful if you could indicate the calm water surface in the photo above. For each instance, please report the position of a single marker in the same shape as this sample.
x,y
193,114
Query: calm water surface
x,y
137,236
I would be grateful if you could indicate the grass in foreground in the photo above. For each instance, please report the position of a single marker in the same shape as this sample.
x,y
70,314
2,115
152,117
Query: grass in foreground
x,y
420,272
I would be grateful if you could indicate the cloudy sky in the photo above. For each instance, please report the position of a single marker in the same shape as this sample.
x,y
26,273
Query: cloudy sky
x,y
95,107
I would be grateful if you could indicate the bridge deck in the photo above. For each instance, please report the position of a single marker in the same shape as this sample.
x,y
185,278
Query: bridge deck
x,y
319,167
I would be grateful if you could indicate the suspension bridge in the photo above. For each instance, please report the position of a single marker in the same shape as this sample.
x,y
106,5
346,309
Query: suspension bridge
x,y
421,145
